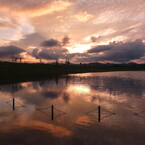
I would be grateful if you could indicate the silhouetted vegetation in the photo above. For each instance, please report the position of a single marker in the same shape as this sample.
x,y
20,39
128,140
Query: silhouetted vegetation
x,y
24,70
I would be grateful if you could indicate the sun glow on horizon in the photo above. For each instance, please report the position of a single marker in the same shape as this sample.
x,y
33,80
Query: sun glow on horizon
x,y
79,48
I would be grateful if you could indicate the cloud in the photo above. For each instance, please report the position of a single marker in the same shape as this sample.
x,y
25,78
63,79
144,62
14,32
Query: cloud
x,y
16,17
117,52
50,94
65,40
50,43
9,51
112,20
76,55
140,60
52,49
95,39
30,41
34,8
45,8
13,28
7,22
83,16
101,48
49,53
118,85
55,43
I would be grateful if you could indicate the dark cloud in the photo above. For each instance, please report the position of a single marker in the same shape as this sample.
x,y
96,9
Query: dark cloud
x,y
101,48
49,53
95,39
50,94
66,97
65,40
55,43
9,51
56,53
117,52
53,49
113,52
50,43
77,55
35,53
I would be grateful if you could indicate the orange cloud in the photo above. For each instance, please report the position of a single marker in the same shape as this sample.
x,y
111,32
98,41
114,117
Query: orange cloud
x,y
83,16
83,120
28,58
32,9
53,129
43,9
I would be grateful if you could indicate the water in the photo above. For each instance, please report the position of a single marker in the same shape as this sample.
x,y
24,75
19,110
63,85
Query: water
x,y
75,98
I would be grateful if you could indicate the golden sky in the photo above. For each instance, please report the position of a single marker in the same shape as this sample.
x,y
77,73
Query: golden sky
x,y
78,30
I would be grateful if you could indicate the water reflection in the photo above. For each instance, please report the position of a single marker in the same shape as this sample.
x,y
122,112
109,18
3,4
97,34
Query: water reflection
x,y
100,113
84,89
75,116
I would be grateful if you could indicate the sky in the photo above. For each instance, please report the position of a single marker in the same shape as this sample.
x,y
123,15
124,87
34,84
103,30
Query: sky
x,y
81,31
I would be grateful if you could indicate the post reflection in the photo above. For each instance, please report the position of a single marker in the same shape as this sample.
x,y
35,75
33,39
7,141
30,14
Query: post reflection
x,y
101,102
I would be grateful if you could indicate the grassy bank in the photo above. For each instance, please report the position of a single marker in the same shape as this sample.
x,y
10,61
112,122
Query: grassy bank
x,y
23,70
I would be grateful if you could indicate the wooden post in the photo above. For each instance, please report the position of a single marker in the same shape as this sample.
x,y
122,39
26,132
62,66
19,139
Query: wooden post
x,y
52,112
99,113
13,104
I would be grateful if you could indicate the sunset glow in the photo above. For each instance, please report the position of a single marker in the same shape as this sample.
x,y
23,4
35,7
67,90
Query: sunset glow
x,y
78,29
79,89
79,48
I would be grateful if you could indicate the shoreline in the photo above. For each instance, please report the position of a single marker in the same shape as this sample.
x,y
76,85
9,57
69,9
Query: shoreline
x,y
11,72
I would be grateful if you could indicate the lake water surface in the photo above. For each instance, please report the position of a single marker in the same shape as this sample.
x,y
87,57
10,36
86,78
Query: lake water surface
x,y
27,116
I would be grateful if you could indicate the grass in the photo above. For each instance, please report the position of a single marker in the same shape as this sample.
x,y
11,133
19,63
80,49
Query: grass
x,y
19,71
